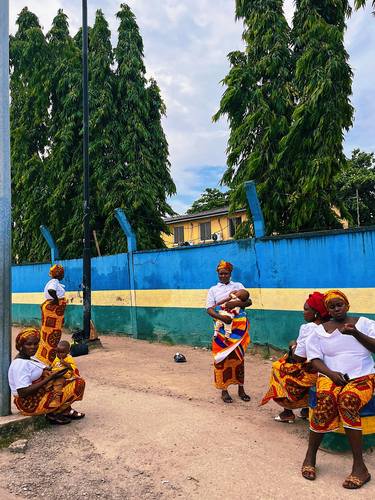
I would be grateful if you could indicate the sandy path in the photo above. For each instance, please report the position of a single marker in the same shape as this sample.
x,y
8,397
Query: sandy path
x,y
157,429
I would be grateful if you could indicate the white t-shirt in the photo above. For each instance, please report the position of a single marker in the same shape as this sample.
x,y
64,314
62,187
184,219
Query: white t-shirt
x,y
221,291
304,332
343,353
54,284
23,372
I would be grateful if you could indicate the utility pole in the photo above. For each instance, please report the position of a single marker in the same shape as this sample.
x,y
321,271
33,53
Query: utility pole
x,y
5,212
86,281
357,197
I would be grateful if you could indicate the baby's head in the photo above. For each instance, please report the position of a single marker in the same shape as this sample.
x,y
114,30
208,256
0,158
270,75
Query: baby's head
x,y
62,349
243,295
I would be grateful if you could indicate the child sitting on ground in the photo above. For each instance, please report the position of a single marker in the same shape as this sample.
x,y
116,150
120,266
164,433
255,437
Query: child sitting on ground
x,y
238,296
63,361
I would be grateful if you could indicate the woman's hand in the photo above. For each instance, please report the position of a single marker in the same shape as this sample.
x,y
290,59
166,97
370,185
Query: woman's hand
x,y
58,374
337,378
349,329
231,304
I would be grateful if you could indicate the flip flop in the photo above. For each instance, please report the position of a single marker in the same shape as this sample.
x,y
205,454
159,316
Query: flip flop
x,y
308,472
354,482
287,420
75,415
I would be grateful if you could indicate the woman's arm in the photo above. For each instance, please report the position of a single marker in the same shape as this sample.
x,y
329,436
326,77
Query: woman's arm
x,y
225,319
336,377
34,388
365,340
53,294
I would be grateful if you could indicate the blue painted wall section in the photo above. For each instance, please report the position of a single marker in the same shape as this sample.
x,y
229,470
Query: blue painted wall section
x,y
332,259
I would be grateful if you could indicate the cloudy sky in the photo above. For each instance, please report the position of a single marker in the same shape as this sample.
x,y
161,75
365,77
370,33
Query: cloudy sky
x,y
186,43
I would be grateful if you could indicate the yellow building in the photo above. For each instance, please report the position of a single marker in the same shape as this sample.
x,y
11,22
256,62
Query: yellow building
x,y
203,227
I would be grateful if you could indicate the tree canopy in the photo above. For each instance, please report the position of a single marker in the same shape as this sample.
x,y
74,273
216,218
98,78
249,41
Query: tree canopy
x,y
129,159
356,187
210,199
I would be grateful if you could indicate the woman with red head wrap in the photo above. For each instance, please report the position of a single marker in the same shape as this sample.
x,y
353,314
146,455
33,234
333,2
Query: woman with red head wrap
x,y
229,349
53,310
291,376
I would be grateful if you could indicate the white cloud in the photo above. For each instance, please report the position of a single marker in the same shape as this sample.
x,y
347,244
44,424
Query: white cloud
x,y
186,44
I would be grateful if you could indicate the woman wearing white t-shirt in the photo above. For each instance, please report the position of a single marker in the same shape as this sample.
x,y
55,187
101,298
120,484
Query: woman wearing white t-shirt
x,y
30,383
53,309
229,351
341,352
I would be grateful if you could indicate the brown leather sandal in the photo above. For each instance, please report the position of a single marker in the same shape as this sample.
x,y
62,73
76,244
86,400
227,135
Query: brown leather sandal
x,y
354,482
308,472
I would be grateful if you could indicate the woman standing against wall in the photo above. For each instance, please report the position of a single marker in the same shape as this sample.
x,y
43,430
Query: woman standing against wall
x,y
229,351
53,309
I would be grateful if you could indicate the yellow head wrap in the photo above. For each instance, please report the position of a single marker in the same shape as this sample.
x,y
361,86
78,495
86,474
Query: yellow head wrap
x,y
24,335
224,265
335,294
56,270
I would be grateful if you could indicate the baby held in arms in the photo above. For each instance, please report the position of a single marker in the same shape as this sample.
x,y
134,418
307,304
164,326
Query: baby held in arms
x,y
222,309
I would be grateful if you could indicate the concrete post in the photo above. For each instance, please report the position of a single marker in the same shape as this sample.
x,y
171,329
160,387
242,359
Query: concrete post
x,y
255,209
51,243
132,247
5,212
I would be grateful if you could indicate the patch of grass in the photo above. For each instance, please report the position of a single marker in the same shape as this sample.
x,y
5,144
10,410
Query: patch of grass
x,y
22,429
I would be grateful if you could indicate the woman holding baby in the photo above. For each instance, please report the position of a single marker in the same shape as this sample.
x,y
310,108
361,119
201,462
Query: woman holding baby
x,y
226,302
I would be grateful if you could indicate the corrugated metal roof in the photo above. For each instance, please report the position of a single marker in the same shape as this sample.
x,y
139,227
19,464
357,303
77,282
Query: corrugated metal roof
x,y
200,215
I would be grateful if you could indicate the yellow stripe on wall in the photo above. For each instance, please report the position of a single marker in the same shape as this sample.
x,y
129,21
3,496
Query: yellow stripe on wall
x,y
279,299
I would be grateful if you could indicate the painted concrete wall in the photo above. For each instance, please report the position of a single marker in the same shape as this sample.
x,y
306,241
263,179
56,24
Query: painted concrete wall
x,y
171,285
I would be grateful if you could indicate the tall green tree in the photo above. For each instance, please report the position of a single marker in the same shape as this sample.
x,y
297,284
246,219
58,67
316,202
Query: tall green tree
x,y
65,201
356,187
104,134
143,180
30,87
312,150
362,3
258,103
210,199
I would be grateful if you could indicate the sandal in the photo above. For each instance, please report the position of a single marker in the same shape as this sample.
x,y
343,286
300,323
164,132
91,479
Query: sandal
x,y
244,397
354,482
287,420
227,398
58,419
309,472
75,415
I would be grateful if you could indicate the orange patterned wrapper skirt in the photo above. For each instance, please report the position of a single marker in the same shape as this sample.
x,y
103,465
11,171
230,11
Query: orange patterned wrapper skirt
x,y
50,335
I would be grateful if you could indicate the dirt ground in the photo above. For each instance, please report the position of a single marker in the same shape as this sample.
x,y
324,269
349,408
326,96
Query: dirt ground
x,y
155,429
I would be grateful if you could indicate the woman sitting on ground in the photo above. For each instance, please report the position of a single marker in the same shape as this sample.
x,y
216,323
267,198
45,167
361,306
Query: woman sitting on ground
x,y
30,383
291,376
341,351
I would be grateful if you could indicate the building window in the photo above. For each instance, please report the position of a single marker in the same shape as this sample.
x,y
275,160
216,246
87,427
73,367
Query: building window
x,y
205,231
234,222
178,232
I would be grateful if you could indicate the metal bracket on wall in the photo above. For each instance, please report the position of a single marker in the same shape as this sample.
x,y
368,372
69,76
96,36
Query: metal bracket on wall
x,y
51,243
255,209
132,247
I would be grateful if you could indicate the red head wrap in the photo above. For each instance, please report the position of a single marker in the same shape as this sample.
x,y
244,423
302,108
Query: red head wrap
x,y
316,302
24,335
224,265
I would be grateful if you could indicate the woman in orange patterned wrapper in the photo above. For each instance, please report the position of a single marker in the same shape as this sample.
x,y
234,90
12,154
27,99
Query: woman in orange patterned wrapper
x,y
340,350
53,309
30,383
229,351
291,376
